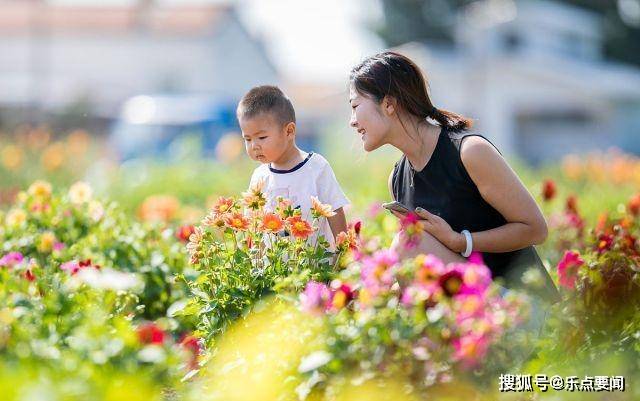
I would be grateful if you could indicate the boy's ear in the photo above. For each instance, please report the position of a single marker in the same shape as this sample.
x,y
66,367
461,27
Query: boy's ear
x,y
389,105
290,129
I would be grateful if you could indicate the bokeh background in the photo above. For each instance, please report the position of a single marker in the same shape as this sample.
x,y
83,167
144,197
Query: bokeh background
x,y
137,99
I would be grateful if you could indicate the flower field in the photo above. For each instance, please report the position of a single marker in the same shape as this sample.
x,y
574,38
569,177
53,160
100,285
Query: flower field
x,y
152,281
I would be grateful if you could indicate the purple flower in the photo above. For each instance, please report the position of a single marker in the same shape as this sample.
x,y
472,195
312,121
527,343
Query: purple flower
x,y
11,259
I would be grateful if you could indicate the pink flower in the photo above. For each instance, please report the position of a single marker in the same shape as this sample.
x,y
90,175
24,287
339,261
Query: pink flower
x,y
421,294
465,278
568,269
11,259
73,266
58,246
476,258
378,270
315,297
411,227
469,306
470,349
429,269
476,279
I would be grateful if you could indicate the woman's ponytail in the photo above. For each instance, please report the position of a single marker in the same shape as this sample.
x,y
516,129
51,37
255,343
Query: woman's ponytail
x,y
452,121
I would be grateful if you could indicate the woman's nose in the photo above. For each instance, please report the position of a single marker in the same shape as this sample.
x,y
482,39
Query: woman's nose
x,y
353,122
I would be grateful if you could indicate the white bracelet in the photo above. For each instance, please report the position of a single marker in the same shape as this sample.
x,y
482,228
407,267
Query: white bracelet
x,y
467,236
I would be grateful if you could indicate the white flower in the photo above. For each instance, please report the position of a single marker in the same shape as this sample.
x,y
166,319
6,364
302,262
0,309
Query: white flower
x,y
109,279
96,210
80,193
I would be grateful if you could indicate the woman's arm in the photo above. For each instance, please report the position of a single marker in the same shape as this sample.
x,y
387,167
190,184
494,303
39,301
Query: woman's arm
x,y
501,188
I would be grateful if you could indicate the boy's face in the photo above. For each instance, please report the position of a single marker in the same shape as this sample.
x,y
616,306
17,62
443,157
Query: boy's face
x,y
265,139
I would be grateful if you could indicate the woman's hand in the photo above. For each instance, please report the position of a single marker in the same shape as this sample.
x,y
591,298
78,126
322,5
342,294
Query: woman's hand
x,y
442,231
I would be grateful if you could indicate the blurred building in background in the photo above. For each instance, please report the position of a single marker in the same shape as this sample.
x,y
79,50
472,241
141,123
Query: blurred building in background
x,y
533,75
54,56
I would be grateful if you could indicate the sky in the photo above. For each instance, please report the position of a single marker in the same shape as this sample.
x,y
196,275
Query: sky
x,y
308,40
314,39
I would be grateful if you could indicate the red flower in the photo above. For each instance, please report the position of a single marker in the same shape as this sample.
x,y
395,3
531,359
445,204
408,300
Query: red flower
x,y
150,333
357,227
605,242
184,232
572,204
451,282
634,205
568,269
629,242
341,296
548,190
28,274
191,344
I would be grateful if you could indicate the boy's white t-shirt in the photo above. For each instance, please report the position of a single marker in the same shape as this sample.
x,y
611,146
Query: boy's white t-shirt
x,y
312,177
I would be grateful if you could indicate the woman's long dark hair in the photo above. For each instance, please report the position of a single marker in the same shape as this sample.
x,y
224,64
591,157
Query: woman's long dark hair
x,y
392,74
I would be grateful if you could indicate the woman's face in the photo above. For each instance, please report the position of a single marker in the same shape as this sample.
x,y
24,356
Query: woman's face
x,y
368,119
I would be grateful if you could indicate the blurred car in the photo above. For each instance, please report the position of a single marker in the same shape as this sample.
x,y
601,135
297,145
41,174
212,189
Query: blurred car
x,y
171,126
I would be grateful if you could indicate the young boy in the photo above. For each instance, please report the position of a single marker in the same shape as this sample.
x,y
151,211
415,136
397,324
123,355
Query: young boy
x,y
268,123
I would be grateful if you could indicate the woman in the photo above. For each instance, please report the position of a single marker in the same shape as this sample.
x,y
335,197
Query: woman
x,y
458,182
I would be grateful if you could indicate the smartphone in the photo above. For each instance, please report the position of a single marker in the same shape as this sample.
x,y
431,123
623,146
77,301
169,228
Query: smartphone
x,y
396,207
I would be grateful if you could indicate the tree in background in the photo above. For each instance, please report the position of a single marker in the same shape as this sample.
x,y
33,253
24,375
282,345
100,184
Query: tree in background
x,y
433,20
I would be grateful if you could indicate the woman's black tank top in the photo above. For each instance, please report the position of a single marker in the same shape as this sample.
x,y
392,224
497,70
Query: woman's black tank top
x,y
443,187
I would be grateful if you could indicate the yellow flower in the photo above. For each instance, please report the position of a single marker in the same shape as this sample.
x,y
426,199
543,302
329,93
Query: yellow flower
x,y
318,209
11,157
16,217
45,244
80,193
40,189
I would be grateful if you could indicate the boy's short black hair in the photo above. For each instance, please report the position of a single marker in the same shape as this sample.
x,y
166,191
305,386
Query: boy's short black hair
x,y
267,99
